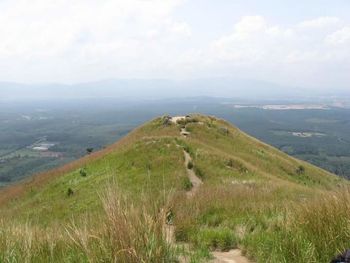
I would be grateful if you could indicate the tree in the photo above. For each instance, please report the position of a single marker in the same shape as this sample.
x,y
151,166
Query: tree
x,y
89,150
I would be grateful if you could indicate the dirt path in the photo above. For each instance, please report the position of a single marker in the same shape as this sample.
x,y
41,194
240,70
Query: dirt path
x,y
232,256
169,231
195,180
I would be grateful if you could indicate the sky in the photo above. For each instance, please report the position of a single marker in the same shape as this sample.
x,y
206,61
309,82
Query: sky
x,y
294,43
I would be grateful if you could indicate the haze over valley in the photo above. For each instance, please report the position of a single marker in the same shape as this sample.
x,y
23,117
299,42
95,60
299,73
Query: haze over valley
x,y
175,131
42,134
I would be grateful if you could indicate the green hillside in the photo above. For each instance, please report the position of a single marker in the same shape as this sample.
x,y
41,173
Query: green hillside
x,y
115,205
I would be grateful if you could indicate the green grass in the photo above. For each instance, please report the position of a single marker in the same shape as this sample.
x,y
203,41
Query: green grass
x,y
215,238
187,184
131,172
312,232
253,197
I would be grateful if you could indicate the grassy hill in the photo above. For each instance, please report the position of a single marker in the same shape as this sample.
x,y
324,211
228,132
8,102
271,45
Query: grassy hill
x,y
113,205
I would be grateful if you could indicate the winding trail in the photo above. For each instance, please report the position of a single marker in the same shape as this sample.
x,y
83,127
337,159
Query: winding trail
x,y
232,256
195,180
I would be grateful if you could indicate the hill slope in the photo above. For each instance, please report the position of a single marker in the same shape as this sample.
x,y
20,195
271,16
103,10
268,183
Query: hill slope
x,y
113,205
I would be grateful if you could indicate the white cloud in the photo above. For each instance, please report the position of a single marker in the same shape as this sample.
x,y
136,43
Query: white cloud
x,y
340,37
82,40
77,36
320,22
253,40
249,25
257,48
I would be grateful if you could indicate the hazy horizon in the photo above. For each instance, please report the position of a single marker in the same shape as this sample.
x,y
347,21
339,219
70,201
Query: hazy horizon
x,y
145,89
290,44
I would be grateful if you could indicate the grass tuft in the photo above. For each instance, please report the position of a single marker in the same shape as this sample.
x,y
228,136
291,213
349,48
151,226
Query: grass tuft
x,y
215,238
186,184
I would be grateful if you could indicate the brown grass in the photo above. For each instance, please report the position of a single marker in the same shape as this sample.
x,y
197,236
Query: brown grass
x,y
125,232
128,233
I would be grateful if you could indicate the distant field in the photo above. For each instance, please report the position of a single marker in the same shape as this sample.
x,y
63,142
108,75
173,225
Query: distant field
x,y
319,135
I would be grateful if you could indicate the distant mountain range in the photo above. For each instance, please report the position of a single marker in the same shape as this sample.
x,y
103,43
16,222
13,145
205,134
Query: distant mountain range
x,y
161,88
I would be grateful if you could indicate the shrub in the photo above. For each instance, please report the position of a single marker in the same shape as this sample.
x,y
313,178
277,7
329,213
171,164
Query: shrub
x,y
190,165
89,150
234,164
187,120
300,170
182,122
224,130
70,192
166,120
83,172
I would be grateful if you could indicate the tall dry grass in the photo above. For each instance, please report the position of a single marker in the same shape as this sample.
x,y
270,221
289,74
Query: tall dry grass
x,y
269,225
27,243
321,225
313,231
127,233
124,233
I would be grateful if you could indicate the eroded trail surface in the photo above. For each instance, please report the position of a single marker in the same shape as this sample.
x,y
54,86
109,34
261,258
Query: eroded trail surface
x,y
195,180
232,256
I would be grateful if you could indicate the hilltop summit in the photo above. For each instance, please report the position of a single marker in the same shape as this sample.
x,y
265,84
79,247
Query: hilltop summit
x,y
217,187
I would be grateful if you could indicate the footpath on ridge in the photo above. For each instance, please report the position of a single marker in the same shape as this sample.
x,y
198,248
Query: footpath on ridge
x,y
231,256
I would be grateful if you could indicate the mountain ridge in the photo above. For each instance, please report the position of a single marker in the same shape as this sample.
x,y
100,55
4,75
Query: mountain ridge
x,y
246,186
43,177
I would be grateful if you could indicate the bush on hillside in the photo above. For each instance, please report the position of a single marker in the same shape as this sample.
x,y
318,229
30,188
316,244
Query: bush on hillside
x,y
89,150
224,130
83,172
166,120
70,192
190,165
234,164
300,170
